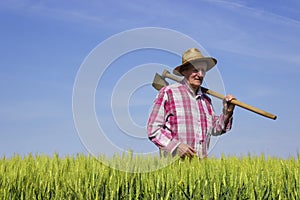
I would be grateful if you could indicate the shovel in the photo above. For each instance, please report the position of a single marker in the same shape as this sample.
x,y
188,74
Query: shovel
x,y
160,81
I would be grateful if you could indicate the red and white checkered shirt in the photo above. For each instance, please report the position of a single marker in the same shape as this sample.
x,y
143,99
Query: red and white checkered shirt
x,y
181,116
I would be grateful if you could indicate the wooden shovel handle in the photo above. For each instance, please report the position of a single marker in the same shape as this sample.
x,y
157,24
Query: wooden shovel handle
x,y
240,104
220,96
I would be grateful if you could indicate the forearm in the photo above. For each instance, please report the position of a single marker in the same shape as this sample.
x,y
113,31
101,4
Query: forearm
x,y
228,118
163,139
224,122
221,124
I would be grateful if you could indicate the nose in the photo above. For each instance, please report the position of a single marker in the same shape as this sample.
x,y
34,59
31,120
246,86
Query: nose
x,y
201,72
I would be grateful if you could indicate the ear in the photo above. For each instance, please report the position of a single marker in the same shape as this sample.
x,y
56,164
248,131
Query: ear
x,y
184,71
185,74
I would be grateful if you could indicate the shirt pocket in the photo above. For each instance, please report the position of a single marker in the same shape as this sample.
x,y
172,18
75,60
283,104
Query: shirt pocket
x,y
209,121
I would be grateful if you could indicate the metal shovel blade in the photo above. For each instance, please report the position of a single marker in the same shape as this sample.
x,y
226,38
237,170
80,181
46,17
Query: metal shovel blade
x,y
159,82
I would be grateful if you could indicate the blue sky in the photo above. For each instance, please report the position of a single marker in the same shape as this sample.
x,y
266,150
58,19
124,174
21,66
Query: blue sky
x,y
44,43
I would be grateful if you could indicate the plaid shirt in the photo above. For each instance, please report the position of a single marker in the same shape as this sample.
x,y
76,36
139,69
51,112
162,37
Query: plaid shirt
x,y
181,116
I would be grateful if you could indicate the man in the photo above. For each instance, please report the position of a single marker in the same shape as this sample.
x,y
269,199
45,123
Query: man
x,y
182,118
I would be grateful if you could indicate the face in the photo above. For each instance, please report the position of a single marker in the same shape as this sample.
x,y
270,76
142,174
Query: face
x,y
195,73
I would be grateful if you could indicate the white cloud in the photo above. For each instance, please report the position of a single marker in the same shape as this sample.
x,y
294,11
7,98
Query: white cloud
x,y
240,7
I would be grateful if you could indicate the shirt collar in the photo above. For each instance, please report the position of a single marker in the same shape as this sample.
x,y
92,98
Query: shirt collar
x,y
191,91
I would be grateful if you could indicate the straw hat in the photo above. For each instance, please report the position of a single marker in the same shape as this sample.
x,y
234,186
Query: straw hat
x,y
191,56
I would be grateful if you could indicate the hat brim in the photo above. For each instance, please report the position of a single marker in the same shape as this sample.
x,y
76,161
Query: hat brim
x,y
211,62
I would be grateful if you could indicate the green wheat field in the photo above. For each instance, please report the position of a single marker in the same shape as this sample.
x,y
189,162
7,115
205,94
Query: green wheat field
x,y
85,177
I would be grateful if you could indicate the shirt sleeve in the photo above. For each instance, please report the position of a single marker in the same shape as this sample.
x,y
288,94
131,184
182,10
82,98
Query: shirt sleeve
x,y
219,125
156,129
